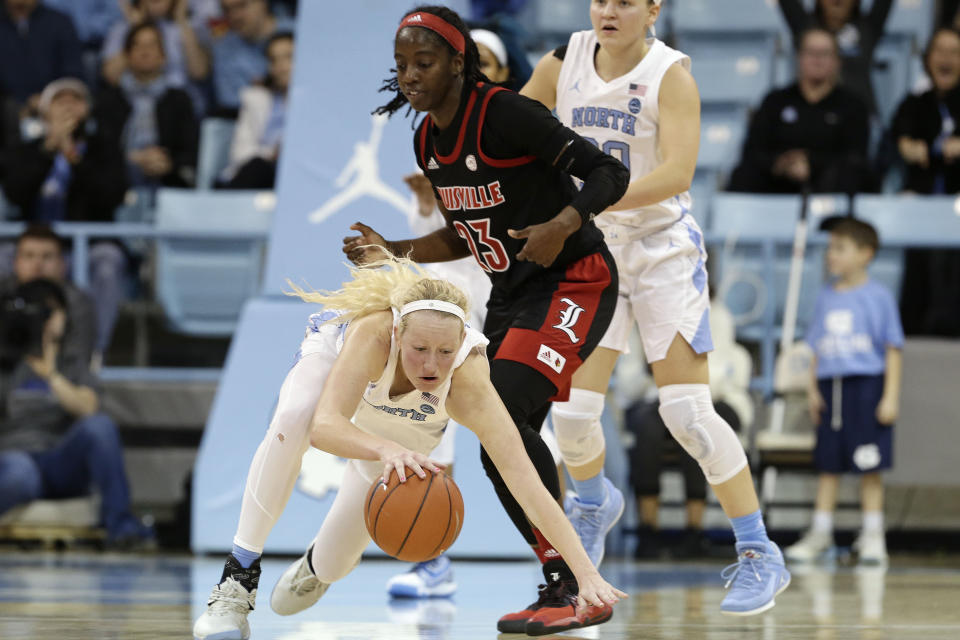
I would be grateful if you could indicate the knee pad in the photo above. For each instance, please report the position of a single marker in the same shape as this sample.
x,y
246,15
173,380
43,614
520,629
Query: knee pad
x,y
687,411
576,424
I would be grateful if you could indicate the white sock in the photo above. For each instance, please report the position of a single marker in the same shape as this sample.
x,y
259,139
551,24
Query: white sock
x,y
873,521
823,522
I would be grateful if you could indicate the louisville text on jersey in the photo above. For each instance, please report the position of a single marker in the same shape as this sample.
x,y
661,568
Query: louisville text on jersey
x,y
465,198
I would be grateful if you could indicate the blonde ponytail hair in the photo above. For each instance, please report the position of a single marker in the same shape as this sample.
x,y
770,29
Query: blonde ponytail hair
x,y
380,285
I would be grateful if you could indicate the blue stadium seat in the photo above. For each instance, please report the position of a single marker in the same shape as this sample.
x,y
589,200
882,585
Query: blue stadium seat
x,y
752,273
731,70
705,184
722,129
887,268
213,156
202,283
784,69
725,15
912,17
891,73
560,18
666,21
912,220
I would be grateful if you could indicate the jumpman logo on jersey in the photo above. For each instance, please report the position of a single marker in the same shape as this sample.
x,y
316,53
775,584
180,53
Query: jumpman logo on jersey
x,y
363,170
576,86
569,318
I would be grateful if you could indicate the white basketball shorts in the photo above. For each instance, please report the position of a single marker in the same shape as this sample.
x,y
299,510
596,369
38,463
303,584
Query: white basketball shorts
x,y
663,288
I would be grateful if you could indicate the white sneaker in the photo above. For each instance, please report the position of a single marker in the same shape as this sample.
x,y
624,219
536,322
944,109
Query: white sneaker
x,y
810,547
230,603
297,589
431,579
871,548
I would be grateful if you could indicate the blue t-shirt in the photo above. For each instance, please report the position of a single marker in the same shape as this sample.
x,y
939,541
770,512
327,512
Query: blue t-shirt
x,y
851,330
238,63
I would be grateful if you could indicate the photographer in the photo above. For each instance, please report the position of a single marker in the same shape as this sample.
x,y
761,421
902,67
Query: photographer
x,y
75,172
38,253
53,442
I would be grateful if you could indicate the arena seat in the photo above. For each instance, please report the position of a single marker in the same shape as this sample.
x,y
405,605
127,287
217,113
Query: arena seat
x,y
912,220
738,70
722,130
216,135
202,283
704,186
892,67
729,15
913,17
560,18
54,522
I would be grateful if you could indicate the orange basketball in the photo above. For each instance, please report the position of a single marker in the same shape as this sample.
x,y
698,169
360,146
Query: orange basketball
x,y
415,521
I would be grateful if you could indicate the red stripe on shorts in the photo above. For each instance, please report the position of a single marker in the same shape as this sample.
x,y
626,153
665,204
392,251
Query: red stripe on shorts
x,y
554,349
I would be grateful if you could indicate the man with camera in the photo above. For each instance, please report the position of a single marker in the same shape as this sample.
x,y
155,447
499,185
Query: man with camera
x,y
54,442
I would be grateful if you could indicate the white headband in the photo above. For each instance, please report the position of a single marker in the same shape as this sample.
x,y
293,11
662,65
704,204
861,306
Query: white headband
x,y
491,41
433,305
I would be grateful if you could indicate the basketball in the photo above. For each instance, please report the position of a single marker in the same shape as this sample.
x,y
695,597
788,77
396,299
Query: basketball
x,y
415,521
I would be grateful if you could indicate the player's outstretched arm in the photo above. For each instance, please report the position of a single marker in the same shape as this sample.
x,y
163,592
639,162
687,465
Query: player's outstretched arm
x,y
442,245
362,360
474,402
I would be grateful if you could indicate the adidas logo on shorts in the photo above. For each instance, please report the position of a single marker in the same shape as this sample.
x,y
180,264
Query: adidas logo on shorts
x,y
432,164
551,358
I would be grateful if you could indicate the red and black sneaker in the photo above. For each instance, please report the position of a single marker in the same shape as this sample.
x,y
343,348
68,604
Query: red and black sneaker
x,y
517,622
558,612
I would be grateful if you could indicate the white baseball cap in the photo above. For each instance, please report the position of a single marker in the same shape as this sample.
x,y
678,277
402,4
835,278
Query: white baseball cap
x,y
62,84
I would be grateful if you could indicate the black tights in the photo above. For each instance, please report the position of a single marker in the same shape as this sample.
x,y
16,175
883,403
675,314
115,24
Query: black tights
x,y
526,393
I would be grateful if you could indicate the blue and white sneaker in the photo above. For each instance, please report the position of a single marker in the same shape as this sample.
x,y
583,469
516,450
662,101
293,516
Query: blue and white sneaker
x,y
431,579
755,580
592,521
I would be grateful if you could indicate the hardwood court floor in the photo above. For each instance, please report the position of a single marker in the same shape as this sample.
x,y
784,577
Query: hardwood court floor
x,y
81,596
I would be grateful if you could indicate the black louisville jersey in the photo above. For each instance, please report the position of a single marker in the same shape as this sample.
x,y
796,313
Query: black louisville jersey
x,y
488,194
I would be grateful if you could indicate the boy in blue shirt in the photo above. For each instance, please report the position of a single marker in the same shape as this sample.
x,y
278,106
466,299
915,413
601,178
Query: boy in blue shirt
x,y
856,337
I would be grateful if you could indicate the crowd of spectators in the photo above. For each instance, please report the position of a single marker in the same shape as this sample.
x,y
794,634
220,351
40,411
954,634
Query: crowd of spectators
x,y
101,97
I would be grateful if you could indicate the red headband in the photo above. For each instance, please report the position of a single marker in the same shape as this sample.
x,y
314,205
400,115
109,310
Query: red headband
x,y
438,25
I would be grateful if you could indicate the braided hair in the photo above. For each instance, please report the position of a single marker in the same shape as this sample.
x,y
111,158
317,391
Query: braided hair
x,y
471,59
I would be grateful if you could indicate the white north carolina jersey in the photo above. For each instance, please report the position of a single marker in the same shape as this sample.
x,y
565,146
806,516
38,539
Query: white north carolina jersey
x,y
622,117
416,419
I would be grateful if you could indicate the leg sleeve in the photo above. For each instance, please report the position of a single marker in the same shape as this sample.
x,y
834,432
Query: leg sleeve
x,y
526,395
276,464
343,535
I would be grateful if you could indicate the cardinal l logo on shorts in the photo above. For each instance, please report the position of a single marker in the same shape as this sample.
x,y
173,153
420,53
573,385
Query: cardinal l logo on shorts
x,y
569,318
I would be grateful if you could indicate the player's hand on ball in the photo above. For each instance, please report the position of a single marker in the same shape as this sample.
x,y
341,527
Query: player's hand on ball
x,y
394,456
596,591
365,248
